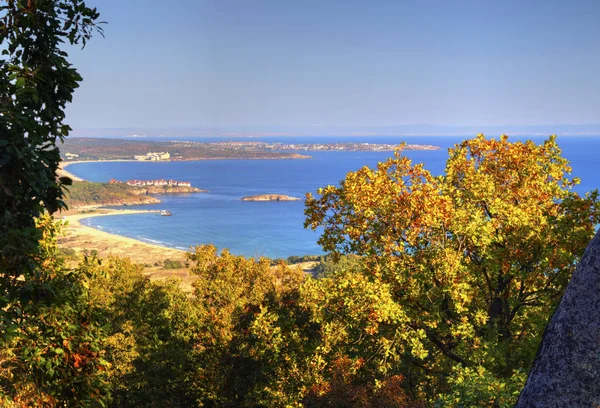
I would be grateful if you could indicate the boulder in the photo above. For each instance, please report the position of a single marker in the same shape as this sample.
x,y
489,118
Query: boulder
x,y
566,370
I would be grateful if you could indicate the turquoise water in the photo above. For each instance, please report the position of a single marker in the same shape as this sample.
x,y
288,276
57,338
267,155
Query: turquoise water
x,y
273,229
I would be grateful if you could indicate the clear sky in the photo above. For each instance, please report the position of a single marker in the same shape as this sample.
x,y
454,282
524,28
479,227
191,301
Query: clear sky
x,y
184,63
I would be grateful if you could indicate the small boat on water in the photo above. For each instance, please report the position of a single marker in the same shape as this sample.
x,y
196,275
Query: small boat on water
x,y
165,213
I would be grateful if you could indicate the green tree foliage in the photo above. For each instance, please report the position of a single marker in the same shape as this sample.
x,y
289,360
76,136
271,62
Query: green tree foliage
x,y
83,193
361,338
470,262
306,258
50,346
172,264
332,264
36,83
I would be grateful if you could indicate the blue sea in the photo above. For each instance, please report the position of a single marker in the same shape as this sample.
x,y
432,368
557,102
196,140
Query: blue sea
x,y
273,229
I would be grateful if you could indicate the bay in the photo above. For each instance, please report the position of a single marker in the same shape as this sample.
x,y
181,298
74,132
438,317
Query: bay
x,y
273,229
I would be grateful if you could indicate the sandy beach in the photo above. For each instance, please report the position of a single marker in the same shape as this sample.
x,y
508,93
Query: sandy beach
x,y
81,238
64,173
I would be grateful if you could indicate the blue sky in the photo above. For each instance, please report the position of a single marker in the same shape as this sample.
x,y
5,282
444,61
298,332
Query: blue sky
x,y
197,63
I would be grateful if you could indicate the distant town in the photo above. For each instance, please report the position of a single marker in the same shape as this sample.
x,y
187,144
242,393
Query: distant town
x,y
147,183
153,156
82,149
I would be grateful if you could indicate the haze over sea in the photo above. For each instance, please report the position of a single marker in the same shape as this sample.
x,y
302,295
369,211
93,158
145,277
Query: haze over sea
x,y
273,229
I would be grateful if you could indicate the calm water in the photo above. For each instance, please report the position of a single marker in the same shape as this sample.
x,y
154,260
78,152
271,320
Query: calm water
x,y
273,229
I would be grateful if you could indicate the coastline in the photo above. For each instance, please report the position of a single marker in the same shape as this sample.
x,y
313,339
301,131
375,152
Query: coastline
x,y
61,172
81,238
79,229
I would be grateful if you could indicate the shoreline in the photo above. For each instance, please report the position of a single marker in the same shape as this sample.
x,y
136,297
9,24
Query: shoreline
x,y
91,235
61,172
100,211
82,239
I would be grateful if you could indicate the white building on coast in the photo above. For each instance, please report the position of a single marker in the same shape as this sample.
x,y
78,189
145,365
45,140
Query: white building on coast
x,y
153,156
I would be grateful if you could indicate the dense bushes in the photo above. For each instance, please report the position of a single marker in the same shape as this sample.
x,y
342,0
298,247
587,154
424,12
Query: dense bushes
x,y
173,264
51,346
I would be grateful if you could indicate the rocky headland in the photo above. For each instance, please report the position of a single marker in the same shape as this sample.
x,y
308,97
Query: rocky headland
x,y
159,186
85,193
169,190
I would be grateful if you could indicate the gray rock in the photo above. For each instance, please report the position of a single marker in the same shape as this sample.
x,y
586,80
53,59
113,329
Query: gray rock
x,y
566,370
270,197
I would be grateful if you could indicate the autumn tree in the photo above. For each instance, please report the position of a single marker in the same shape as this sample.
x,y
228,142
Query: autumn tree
x,y
150,327
360,343
475,259
253,342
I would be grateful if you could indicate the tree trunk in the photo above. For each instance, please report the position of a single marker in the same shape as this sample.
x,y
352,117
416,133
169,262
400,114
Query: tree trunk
x,y
566,370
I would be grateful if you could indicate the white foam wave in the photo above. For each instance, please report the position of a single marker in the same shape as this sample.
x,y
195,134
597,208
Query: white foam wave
x,y
153,241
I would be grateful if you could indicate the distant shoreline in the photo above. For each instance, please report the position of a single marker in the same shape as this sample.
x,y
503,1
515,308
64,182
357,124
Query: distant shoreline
x,y
61,172
75,221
